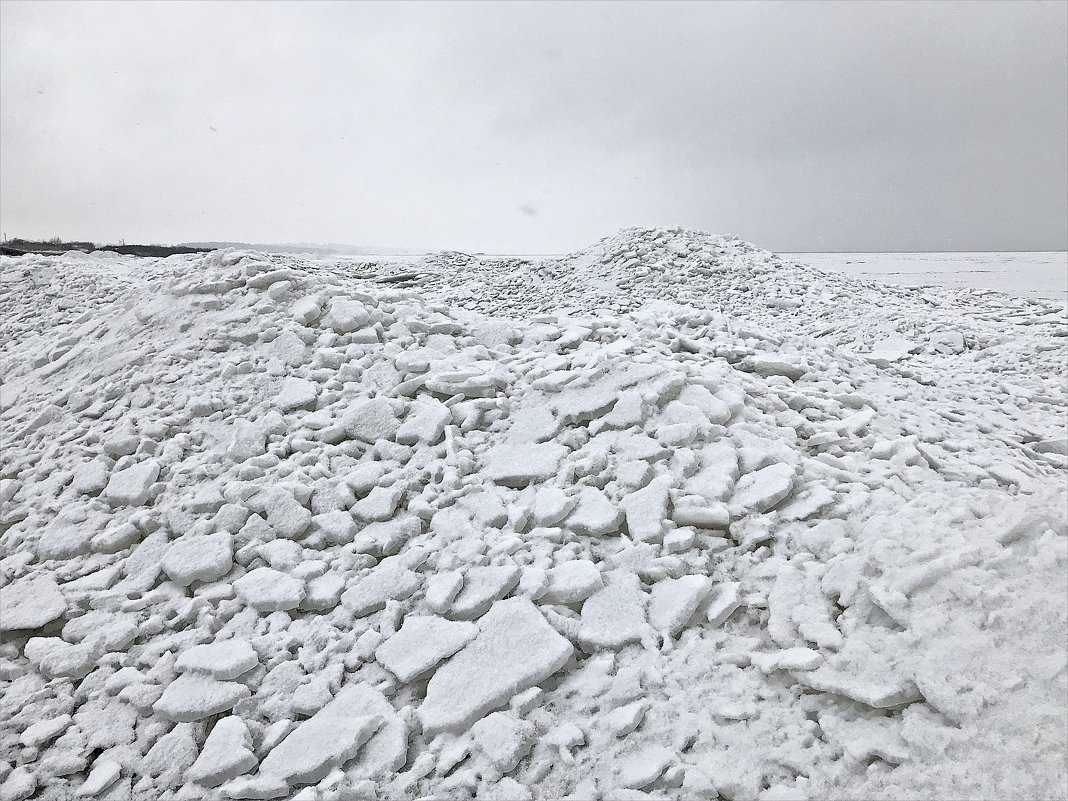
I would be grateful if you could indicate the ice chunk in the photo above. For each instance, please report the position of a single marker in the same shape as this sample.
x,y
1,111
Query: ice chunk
x,y
370,420
296,393
268,590
645,767
345,316
255,787
305,310
551,505
880,690
514,649
226,754
379,505
44,731
387,750
763,489
56,657
503,739
625,719
327,739
675,600
571,582
425,423
131,487
441,588
725,600
391,579
30,603
515,464
421,643
206,557
104,774
18,785
889,350
193,696
787,659
224,659
595,515
286,515
247,440
646,510
482,586
614,616
768,366
704,516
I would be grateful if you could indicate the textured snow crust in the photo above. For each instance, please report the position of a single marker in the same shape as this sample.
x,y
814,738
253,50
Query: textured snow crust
x,y
670,517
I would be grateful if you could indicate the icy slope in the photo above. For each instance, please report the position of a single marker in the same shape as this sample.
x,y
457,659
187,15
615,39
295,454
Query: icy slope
x,y
273,529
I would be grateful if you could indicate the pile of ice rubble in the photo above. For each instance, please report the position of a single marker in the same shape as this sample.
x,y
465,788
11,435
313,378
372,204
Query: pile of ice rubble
x,y
276,529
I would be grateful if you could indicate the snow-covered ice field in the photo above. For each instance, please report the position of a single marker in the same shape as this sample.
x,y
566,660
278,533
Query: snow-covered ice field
x,y
1033,274
669,517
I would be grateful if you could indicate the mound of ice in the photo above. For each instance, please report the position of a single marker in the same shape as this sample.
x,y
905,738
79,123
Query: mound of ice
x,y
669,517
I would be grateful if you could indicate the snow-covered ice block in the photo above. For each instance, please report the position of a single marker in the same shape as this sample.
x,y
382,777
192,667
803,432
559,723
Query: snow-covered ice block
x,y
571,582
421,643
204,557
30,603
725,599
645,767
55,657
305,310
787,659
327,739
224,659
514,649
890,350
482,586
345,316
44,731
442,588
379,505
193,696
269,590
675,600
131,487
703,516
255,787
762,490
105,772
90,477
370,420
391,579
296,393
878,692
768,366
247,440
504,739
286,515
595,515
514,464
614,616
622,720
425,423
646,510
226,754
387,750
551,505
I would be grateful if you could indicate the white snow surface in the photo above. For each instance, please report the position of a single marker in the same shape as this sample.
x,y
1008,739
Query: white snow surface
x,y
670,517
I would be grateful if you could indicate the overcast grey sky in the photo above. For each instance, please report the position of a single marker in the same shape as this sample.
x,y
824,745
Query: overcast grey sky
x,y
540,127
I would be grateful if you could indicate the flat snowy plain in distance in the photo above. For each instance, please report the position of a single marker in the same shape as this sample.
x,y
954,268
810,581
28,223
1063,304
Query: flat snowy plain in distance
x,y
1029,274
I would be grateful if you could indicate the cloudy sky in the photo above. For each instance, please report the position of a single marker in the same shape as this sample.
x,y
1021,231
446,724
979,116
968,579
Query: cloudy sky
x,y
539,127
